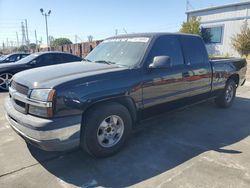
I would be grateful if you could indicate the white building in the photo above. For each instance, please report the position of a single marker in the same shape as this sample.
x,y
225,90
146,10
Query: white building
x,y
223,22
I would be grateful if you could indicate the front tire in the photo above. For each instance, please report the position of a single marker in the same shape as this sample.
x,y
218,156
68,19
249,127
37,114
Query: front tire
x,y
5,80
105,129
226,99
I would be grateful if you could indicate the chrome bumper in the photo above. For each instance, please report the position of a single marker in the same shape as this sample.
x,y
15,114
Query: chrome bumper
x,y
48,134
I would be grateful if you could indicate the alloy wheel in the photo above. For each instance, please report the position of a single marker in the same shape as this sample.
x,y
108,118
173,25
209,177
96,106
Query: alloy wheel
x,y
5,79
110,131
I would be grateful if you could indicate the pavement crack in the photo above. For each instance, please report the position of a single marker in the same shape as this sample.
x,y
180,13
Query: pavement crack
x,y
43,161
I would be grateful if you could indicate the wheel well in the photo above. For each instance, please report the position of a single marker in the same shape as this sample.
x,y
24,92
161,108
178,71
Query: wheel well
x,y
235,78
125,101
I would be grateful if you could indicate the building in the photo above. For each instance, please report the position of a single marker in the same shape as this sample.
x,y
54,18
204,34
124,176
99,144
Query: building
x,y
223,22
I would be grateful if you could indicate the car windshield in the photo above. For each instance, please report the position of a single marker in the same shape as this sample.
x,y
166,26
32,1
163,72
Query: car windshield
x,y
4,57
27,59
122,51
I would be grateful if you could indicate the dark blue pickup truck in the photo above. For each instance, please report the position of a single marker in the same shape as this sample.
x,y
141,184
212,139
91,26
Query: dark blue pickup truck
x,y
95,103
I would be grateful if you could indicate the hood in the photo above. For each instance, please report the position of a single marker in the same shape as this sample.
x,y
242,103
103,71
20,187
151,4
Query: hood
x,y
4,66
51,76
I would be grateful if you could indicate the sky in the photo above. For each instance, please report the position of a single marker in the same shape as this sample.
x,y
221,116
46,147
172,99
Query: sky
x,y
99,18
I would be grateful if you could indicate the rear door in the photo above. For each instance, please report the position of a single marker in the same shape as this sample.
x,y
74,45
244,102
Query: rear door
x,y
196,58
165,84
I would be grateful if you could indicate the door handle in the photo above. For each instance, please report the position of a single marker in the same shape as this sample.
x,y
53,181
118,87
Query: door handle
x,y
185,74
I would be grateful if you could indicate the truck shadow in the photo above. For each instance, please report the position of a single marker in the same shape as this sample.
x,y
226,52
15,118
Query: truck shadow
x,y
158,145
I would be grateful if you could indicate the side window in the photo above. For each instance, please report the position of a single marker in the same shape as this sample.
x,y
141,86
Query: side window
x,y
46,59
12,58
18,57
167,46
24,55
194,50
71,58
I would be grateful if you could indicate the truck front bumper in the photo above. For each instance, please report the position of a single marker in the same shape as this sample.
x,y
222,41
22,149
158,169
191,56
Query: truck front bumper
x,y
57,134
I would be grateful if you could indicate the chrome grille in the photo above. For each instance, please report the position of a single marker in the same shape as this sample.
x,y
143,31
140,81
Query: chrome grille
x,y
19,88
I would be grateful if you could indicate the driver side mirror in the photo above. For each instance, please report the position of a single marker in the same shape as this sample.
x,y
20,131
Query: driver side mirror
x,y
161,62
33,62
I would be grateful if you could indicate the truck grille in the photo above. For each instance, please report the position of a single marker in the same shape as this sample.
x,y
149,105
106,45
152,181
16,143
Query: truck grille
x,y
19,88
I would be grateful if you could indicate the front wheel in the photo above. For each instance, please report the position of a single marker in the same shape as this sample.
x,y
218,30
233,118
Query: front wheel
x,y
5,80
105,129
226,99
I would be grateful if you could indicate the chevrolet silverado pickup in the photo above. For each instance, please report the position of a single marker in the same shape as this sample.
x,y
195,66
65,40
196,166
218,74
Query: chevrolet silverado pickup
x,y
94,104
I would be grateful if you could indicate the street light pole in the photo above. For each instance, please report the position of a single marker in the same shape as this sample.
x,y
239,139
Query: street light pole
x,y
46,22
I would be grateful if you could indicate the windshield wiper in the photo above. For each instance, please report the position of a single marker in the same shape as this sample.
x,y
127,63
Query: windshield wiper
x,y
86,60
106,62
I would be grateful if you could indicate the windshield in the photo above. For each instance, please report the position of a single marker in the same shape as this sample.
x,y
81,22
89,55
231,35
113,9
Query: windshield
x,y
3,57
122,51
28,58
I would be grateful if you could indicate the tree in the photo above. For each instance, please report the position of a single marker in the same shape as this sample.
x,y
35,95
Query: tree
x,y
90,38
60,42
193,26
23,48
32,46
241,41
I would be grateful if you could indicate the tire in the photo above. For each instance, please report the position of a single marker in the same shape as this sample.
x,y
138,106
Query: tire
x,y
98,122
227,97
4,81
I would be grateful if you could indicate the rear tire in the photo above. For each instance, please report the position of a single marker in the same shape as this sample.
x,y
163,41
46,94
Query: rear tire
x,y
226,99
105,129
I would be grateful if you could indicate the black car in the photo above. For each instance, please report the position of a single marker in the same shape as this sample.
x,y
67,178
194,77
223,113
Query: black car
x,y
11,58
7,70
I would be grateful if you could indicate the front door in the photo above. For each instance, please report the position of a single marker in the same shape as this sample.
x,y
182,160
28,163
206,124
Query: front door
x,y
165,84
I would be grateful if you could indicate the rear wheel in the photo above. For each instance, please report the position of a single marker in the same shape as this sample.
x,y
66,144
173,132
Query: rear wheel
x,y
106,129
5,80
226,99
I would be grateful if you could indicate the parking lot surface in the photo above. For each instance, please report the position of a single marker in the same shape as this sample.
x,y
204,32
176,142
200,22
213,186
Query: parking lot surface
x,y
199,146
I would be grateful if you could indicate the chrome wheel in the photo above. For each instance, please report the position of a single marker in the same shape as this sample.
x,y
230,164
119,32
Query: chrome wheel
x,y
5,80
229,94
110,131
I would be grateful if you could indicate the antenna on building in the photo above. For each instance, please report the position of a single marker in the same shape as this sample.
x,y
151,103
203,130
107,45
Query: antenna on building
x,y
188,5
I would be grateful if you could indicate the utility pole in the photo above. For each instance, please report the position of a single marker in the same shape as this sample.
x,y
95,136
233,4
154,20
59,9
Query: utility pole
x,y
7,43
125,31
46,15
27,33
23,34
36,37
116,32
17,39
75,39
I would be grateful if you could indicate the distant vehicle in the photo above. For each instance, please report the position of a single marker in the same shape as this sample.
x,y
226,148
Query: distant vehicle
x,y
95,104
40,59
11,58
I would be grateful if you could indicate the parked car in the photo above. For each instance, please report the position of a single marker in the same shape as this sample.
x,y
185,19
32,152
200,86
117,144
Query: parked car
x,y
11,58
7,70
95,104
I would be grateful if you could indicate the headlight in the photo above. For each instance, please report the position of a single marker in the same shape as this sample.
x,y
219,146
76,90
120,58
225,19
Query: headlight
x,y
43,95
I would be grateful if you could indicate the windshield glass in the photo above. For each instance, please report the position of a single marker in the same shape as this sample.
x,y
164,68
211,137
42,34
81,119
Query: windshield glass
x,y
28,58
3,57
122,51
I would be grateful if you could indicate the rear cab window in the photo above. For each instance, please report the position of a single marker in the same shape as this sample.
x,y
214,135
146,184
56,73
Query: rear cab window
x,y
194,50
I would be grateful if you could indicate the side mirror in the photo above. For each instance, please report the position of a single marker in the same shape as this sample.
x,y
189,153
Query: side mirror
x,y
161,62
33,62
